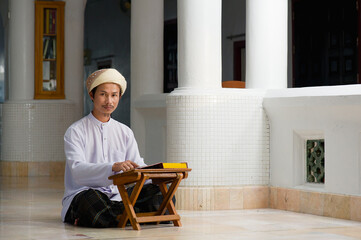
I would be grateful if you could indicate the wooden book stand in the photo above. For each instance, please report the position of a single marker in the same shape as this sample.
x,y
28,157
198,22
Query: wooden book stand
x,y
161,177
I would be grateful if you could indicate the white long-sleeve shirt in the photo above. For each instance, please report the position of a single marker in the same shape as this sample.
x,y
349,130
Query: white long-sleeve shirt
x,y
91,148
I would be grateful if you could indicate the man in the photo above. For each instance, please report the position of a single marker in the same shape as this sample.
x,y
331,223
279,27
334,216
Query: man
x,y
96,147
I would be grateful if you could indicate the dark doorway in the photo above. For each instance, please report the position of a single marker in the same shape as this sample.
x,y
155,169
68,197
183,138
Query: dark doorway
x,y
239,60
170,56
2,60
325,35
104,64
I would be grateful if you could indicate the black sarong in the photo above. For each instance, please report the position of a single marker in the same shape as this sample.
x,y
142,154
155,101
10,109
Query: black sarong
x,y
92,208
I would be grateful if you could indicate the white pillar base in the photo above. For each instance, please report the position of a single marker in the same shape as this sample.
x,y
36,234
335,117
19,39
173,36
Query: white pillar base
x,y
34,131
223,135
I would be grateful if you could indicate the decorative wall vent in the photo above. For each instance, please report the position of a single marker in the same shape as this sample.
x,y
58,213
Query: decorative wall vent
x,y
315,161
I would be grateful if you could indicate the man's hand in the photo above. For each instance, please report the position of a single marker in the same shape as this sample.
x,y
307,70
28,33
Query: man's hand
x,y
124,166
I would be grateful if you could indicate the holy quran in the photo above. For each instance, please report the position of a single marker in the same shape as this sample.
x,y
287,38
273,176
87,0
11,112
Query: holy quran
x,y
166,165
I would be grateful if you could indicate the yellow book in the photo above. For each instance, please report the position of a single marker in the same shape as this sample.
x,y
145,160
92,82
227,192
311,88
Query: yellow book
x,y
175,165
166,165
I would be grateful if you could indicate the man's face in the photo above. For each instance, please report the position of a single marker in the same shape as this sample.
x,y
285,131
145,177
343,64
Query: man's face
x,y
106,98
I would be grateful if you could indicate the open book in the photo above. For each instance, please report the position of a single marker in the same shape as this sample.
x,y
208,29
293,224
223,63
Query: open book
x,y
165,165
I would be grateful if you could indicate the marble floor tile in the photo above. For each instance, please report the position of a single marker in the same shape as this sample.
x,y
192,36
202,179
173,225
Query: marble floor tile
x,y
30,209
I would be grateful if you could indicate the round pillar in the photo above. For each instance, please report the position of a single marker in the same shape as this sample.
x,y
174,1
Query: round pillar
x,y
199,44
146,63
21,50
146,47
266,44
74,55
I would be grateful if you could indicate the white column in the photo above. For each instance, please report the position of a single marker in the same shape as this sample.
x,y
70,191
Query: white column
x,y
21,50
146,71
199,44
73,52
146,47
266,43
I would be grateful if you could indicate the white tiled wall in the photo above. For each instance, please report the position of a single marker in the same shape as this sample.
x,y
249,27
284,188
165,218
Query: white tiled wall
x,y
223,137
33,132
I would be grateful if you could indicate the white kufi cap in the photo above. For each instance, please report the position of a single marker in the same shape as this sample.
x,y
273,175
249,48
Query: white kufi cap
x,y
107,75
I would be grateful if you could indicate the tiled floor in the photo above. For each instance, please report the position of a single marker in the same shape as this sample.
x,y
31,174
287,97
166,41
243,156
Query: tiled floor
x,y
30,209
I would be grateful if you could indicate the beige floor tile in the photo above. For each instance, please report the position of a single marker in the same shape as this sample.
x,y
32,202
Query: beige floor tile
x,y
33,169
236,198
336,206
43,168
5,168
355,208
273,197
30,209
56,169
221,198
282,198
255,197
293,200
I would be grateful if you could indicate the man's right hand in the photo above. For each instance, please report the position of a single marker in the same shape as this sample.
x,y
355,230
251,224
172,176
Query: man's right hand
x,y
124,166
